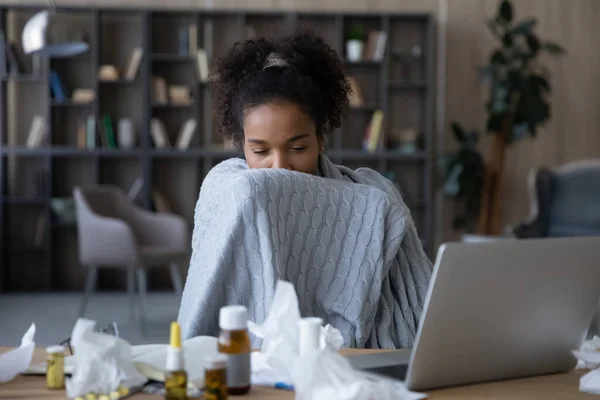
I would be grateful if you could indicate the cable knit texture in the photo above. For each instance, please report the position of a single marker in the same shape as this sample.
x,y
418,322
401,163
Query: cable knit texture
x,y
344,239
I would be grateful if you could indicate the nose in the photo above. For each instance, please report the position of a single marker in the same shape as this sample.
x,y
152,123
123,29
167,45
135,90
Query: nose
x,y
280,160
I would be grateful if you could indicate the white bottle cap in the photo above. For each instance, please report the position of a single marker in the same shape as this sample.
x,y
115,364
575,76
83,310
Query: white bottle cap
x,y
55,349
216,361
233,318
309,335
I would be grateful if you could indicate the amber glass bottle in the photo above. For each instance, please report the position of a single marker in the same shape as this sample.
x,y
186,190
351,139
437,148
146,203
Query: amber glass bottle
x,y
234,342
55,370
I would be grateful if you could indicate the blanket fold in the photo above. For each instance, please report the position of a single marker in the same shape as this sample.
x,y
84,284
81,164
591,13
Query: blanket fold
x,y
344,239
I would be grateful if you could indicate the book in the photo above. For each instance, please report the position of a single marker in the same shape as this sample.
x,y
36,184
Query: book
x,y
58,90
380,43
36,131
202,63
151,359
158,131
159,90
135,189
186,134
81,134
374,129
109,131
134,63
193,38
91,132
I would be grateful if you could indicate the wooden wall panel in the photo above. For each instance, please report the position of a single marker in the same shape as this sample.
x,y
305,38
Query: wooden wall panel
x,y
572,132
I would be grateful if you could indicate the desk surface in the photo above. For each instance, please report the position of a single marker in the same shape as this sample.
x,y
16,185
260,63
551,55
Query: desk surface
x,y
559,386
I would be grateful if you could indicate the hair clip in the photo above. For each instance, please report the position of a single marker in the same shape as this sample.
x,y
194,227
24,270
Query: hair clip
x,y
275,60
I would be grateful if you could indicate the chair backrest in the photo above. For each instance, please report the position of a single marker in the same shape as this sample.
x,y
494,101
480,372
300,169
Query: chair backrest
x,y
92,202
574,204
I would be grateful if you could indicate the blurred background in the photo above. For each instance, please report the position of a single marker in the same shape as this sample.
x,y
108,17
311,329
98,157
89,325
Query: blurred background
x,y
484,113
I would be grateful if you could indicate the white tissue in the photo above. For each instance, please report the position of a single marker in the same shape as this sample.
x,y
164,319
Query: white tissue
x,y
589,357
321,375
328,375
279,335
17,360
102,362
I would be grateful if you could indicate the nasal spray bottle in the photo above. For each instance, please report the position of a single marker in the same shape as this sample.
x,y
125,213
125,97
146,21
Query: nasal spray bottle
x,y
176,377
309,332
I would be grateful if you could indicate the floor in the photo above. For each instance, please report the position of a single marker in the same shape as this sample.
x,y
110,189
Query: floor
x,y
54,315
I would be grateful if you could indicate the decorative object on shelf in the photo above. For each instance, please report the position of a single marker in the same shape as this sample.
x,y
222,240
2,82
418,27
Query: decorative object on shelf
x,y
51,34
517,106
125,133
83,96
355,43
108,73
186,134
407,141
63,209
109,133
180,95
59,92
158,132
408,58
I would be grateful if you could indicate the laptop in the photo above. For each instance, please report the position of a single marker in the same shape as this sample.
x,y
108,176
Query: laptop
x,y
499,310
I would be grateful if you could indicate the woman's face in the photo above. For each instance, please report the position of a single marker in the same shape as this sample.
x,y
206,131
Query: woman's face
x,y
281,135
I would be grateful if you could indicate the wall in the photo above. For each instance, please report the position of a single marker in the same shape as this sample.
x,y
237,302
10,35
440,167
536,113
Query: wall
x,y
464,44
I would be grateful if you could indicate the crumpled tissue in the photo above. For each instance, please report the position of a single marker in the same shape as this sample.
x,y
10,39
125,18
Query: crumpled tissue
x,y
17,360
589,358
321,375
102,362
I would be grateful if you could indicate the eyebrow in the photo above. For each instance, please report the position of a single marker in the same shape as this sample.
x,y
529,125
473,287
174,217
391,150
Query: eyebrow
x,y
290,140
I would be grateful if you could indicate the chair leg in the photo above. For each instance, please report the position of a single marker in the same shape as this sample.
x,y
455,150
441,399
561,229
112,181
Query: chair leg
x,y
142,286
176,278
90,285
131,292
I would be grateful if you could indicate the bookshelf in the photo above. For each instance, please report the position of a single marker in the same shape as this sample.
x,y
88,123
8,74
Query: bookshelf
x,y
38,250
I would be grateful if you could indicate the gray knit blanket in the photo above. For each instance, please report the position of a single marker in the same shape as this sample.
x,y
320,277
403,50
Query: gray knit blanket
x,y
344,239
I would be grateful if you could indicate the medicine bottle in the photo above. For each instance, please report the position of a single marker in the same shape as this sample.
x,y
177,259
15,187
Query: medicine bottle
x,y
215,377
55,370
234,342
176,378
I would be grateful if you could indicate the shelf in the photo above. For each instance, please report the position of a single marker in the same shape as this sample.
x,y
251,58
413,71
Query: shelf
x,y
171,58
366,107
67,151
26,151
25,78
402,85
377,155
170,105
25,247
24,200
363,63
55,103
117,82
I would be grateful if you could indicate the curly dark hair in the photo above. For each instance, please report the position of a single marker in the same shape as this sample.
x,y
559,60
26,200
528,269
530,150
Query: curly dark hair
x,y
312,78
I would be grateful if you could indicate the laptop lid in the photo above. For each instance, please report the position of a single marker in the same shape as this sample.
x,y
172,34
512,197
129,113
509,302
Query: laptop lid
x,y
505,309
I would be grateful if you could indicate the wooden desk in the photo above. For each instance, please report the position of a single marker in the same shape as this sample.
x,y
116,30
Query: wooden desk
x,y
560,386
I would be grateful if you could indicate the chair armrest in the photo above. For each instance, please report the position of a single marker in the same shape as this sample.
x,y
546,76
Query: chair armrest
x,y
107,242
161,229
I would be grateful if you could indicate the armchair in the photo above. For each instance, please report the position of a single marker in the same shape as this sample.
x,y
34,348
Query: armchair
x,y
564,201
114,233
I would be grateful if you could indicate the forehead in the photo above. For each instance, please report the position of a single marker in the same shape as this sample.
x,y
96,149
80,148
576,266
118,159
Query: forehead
x,y
276,121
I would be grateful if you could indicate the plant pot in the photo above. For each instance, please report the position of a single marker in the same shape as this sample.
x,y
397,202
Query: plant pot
x,y
354,50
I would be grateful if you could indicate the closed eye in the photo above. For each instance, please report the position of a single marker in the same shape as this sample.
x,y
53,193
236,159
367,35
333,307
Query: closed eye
x,y
259,151
298,148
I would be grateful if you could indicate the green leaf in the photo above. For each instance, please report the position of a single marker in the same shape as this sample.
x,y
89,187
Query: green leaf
x,y
494,122
451,186
553,48
507,40
533,43
505,12
524,27
459,132
497,57
538,83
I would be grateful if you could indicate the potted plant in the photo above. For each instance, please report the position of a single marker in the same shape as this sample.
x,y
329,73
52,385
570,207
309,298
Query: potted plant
x,y
517,106
355,43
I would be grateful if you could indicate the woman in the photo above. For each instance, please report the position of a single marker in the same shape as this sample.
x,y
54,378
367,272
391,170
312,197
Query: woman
x,y
344,238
